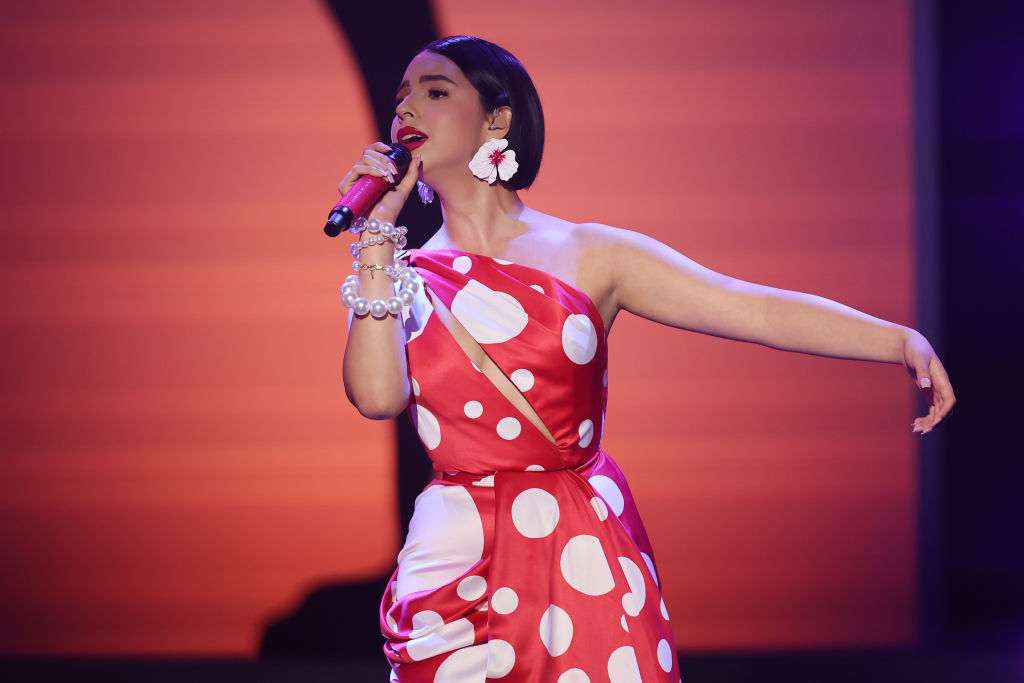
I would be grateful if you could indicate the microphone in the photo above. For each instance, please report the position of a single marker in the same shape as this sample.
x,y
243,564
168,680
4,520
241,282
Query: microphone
x,y
366,192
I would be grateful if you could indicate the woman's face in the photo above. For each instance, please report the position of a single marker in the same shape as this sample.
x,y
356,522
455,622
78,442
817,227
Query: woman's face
x,y
436,100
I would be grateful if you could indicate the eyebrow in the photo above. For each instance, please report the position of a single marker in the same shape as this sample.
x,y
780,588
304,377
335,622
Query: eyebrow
x,y
424,79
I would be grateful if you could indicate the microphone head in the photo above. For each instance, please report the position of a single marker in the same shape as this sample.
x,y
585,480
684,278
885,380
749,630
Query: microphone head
x,y
401,155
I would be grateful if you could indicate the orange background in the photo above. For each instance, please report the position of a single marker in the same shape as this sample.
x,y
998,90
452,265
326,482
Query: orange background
x,y
180,463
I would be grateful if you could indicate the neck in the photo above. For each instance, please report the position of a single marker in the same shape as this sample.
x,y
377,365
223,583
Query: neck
x,y
479,217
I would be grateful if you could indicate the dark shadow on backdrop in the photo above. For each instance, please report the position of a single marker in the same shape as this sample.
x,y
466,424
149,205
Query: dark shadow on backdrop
x,y
340,620
981,69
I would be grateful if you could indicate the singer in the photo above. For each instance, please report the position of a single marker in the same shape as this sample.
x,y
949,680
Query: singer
x,y
526,560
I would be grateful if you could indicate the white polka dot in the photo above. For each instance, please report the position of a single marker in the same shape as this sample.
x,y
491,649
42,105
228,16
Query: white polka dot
x,y
473,409
415,386
490,317
392,624
445,524
600,508
607,489
463,665
650,565
535,513
486,481
394,676
427,427
584,566
633,601
556,630
623,624
665,655
445,638
523,379
664,610
534,468
504,600
472,587
501,657
509,428
579,339
501,261
482,607
462,264
424,622
586,431
622,666
574,676
606,377
541,290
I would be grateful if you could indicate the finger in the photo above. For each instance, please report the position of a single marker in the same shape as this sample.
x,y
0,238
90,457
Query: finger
x,y
410,177
395,198
381,161
944,398
357,172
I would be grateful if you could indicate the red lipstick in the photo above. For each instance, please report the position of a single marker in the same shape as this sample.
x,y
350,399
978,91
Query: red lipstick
x,y
410,137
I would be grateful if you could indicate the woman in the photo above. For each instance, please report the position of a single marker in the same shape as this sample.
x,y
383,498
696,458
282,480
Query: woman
x,y
527,560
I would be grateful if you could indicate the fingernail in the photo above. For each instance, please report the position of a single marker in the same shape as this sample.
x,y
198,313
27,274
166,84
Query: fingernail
x,y
925,382
394,169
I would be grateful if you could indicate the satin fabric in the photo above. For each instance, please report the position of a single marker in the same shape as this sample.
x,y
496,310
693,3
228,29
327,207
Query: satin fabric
x,y
527,561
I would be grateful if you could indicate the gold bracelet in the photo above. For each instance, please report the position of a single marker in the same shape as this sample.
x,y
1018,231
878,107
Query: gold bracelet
x,y
377,266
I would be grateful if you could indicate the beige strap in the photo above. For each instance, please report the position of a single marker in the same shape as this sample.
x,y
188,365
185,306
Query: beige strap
x,y
472,348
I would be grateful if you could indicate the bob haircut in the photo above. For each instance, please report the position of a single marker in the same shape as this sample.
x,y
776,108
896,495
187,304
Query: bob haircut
x,y
502,81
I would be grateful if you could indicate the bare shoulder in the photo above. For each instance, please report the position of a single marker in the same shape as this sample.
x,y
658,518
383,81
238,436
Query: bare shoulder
x,y
586,253
604,248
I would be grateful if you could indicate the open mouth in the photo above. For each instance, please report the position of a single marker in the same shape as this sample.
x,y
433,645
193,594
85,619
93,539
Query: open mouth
x,y
411,138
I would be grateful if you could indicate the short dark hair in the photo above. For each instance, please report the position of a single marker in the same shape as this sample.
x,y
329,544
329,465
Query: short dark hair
x,y
502,81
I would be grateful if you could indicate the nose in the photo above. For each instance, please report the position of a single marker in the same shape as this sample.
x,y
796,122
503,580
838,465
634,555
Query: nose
x,y
403,109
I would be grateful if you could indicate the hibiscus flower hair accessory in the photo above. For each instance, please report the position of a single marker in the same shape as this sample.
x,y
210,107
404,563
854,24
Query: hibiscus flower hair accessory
x,y
493,161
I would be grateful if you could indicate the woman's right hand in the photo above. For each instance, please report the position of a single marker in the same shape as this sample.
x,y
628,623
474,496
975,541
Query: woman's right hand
x,y
375,163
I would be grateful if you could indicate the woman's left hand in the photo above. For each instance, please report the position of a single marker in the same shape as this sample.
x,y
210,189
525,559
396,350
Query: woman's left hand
x,y
925,367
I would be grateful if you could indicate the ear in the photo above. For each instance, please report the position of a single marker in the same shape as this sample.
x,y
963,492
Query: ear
x,y
499,121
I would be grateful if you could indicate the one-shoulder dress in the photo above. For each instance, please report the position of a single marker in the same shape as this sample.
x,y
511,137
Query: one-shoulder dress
x,y
526,561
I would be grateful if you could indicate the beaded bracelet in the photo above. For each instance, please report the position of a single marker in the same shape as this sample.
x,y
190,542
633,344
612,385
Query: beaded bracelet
x,y
357,247
379,234
379,308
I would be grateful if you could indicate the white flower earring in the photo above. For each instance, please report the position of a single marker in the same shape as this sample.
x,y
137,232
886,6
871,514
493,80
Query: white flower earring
x,y
493,161
426,192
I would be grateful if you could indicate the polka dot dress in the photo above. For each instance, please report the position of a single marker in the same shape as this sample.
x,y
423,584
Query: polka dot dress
x,y
527,560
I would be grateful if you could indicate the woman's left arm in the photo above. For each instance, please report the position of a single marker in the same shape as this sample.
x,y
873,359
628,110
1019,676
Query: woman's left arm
x,y
656,282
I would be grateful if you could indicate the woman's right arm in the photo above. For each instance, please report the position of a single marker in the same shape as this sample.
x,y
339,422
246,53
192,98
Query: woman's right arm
x,y
374,369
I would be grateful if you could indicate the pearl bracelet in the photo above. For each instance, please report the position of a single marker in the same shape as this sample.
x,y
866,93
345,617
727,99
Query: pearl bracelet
x,y
379,308
379,233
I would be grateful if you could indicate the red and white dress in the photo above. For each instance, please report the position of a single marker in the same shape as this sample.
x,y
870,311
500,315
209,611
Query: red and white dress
x,y
527,561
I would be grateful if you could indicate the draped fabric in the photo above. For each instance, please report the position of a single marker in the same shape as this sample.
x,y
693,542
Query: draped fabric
x,y
526,562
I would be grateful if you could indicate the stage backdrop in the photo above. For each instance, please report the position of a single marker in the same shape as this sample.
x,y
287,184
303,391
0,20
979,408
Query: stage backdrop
x,y
180,463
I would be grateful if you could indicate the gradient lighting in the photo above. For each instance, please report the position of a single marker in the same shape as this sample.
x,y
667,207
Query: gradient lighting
x,y
180,463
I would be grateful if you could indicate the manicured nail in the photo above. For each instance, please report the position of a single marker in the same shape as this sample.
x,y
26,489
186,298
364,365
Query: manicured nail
x,y
925,382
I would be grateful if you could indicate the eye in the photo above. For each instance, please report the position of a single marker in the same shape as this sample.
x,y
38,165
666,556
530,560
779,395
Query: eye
x,y
437,93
